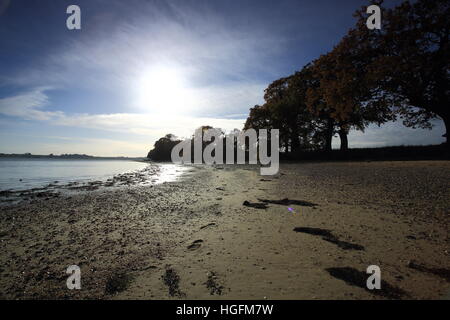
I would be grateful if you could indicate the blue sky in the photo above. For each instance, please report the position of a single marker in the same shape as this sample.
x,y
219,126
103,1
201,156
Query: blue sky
x,y
140,69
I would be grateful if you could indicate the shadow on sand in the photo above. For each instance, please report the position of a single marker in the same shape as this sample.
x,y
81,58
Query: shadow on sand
x,y
353,277
328,236
288,202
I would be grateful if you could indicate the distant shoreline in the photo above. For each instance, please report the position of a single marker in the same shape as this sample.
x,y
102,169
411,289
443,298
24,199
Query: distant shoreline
x,y
65,157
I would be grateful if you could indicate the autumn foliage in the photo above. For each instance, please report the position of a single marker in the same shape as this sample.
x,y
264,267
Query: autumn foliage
x,y
370,76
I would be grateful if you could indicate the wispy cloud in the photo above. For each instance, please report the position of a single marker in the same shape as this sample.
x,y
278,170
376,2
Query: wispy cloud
x,y
28,106
195,41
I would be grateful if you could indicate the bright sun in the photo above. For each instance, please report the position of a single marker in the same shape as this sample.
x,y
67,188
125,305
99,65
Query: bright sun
x,y
163,91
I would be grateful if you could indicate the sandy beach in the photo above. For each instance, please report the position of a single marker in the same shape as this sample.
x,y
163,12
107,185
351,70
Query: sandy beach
x,y
225,232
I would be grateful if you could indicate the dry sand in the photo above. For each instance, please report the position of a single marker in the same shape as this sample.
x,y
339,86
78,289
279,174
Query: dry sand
x,y
195,239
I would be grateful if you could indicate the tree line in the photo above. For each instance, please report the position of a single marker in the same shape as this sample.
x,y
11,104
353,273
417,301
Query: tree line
x,y
370,76
227,143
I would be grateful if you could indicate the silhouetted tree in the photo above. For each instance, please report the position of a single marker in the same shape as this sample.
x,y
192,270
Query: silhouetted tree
x,y
285,109
340,94
163,148
404,67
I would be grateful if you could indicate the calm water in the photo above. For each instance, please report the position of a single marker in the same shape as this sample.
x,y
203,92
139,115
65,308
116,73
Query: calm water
x,y
22,174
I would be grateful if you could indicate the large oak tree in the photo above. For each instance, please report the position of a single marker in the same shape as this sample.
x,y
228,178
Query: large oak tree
x,y
403,68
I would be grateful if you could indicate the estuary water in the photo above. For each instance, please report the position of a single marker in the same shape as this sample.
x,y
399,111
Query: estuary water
x,y
21,174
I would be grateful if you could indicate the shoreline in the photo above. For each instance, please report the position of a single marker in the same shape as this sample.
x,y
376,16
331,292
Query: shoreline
x,y
196,239
152,174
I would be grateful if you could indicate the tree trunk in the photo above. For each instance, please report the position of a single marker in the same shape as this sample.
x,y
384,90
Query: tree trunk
x,y
343,135
286,145
295,142
329,135
446,119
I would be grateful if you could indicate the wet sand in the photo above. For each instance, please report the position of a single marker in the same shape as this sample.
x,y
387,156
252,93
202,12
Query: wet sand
x,y
308,233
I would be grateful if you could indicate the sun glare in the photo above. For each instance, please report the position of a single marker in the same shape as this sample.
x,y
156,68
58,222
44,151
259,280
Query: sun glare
x,y
163,91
